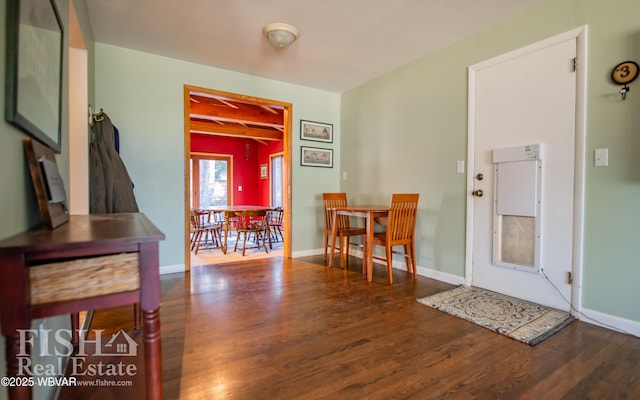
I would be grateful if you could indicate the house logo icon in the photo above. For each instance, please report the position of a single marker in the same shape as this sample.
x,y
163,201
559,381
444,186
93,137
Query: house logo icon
x,y
120,344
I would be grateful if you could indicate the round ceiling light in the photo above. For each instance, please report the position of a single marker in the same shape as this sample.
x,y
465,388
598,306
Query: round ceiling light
x,y
279,34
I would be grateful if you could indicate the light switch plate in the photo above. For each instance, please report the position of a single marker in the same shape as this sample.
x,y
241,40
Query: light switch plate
x,y
460,167
601,158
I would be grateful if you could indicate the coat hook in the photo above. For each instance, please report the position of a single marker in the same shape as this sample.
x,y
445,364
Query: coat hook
x,y
623,92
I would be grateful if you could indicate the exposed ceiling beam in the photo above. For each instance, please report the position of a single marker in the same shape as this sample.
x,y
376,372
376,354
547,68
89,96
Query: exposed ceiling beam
x,y
228,104
235,100
248,115
269,109
227,121
257,133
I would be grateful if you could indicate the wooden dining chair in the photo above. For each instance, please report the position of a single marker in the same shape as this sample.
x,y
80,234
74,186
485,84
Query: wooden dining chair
x,y
344,232
252,221
401,227
275,218
205,232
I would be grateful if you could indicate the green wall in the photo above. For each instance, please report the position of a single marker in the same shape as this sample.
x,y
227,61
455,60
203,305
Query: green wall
x,y
143,96
19,210
414,120
612,238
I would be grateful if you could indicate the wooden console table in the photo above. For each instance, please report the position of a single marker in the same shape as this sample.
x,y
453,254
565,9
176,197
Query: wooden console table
x,y
91,262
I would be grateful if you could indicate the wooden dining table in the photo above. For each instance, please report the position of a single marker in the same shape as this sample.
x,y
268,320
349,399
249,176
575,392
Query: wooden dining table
x,y
369,213
229,212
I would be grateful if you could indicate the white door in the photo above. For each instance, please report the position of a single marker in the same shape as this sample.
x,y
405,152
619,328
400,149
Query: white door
x,y
523,99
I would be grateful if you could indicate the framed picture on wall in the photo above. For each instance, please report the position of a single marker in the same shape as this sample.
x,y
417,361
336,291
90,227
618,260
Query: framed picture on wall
x,y
264,172
34,59
316,157
316,131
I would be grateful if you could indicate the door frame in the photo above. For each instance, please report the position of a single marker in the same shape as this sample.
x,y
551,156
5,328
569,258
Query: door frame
x,y
580,35
287,168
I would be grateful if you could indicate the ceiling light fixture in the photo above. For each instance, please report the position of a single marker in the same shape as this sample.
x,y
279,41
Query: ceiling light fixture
x,y
279,34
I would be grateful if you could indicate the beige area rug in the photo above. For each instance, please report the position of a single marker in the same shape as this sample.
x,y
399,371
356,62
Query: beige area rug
x,y
215,255
518,319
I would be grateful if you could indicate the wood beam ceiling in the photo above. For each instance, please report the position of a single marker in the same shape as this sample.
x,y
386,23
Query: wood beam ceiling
x,y
213,115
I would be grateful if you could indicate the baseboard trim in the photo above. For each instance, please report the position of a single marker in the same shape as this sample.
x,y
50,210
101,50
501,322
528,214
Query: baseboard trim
x,y
441,276
422,271
171,269
610,322
307,253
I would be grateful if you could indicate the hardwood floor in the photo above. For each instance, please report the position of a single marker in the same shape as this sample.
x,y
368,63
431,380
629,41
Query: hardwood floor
x,y
294,329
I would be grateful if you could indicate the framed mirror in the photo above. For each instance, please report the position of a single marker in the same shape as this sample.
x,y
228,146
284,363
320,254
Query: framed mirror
x,y
34,69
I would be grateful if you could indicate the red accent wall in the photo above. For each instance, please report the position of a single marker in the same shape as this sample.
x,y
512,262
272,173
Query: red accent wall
x,y
272,147
246,169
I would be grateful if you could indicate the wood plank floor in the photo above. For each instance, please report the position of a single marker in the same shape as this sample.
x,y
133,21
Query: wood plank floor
x,y
294,329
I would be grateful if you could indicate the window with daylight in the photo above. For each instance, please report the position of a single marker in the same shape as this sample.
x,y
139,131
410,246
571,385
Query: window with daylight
x,y
277,179
209,181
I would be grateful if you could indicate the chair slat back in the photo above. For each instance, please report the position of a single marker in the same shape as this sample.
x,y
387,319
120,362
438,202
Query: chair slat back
x,y
332,200
198,218
251,219
402,217
276,216
217,217
193,219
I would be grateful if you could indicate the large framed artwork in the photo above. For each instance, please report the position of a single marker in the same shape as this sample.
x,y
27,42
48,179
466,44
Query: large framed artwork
x,y
316,157
316,131
34,69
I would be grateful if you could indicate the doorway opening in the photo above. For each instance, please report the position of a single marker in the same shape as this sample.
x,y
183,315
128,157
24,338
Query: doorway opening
x,y
253,134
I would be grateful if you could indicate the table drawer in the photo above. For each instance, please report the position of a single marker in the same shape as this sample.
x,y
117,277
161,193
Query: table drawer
x,y
83,278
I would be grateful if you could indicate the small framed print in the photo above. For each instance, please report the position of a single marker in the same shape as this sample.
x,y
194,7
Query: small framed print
x,y
264,173
316,131
316,157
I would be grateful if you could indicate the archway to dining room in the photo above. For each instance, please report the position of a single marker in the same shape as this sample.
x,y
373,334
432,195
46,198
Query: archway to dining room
x,y
247,141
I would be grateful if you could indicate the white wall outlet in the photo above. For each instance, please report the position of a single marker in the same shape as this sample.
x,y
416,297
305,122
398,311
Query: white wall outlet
x,y
460,167
601,158
239,188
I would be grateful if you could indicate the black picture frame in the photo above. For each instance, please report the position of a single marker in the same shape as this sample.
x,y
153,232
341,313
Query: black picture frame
x,y
316,157
316,131
34,55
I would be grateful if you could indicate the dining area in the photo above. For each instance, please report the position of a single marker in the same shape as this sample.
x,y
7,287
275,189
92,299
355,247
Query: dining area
x,y
236,207
390,227
230,229
379,233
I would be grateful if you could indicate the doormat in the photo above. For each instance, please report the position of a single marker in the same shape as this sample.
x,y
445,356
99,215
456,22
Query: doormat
x,y
518,319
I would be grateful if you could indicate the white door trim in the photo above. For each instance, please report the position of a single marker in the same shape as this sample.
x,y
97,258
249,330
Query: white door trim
x,y
580,35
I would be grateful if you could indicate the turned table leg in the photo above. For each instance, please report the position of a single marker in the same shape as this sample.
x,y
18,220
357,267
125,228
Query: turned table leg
x,y
15,351
152,355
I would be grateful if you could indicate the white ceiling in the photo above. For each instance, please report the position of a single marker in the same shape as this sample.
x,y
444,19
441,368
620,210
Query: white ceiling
x,y
342,43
